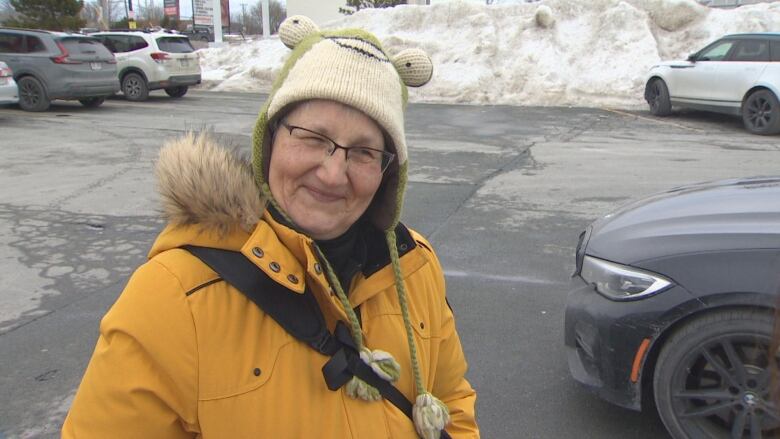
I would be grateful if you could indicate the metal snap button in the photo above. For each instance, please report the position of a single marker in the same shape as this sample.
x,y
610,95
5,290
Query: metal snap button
x,y
402,247
292,278
257,251
274,267
257,371
422,325
317,268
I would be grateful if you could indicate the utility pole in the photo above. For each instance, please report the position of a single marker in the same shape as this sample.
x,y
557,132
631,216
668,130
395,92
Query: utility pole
x,y
217,22
130,15
266,20
243,18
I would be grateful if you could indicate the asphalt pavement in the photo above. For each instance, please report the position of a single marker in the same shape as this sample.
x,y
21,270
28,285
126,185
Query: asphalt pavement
x,y
502,192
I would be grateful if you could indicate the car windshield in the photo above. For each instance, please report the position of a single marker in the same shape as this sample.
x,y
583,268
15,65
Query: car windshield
x,y
175,45
85,46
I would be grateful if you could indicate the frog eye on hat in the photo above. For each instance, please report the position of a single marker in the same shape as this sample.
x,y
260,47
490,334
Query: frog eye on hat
x,y
413,66
294,29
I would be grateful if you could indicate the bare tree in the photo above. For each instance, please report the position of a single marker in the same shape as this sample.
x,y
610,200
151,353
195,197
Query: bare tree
x,y
277,12
6,11
150,12
92,14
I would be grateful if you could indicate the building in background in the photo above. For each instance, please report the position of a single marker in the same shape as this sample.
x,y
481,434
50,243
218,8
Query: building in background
x,y
320,11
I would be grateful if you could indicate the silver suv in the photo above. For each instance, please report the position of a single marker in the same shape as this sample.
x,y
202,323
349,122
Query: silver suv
x,y
152,61
738,74
56,65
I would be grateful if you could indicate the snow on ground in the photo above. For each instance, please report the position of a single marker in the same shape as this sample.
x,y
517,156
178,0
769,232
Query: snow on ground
x,y
591,53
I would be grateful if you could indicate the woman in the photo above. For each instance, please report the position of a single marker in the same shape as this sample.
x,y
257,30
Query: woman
x,y
185,353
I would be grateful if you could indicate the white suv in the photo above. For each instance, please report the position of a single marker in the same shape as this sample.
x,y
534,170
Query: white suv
x,y
152,61
738,74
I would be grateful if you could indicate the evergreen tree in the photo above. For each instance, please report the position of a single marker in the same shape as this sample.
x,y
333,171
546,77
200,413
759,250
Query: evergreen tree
x,y
47,14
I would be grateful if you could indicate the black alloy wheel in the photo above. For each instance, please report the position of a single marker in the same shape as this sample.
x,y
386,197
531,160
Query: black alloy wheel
x,y
657,96
712,378
92,102
134,87
32,96
761,113
177,92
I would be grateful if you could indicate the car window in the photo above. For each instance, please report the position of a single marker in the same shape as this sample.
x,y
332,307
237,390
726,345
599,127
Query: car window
x,y
11,43
776,51
107,41
122,43
136,43
175,45
85,46
34,44
716,52
751,50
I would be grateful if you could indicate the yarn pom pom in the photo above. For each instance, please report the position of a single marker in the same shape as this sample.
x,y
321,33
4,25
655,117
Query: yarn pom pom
x,y
382,363
430,416
359,389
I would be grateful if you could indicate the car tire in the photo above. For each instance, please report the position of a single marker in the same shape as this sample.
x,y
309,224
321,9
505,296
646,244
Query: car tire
x,y
134,87
712,376
32,95
177,92
92,102
761,113
657,96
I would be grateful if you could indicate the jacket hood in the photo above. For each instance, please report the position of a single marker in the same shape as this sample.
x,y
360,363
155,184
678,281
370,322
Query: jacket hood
x,y
208,186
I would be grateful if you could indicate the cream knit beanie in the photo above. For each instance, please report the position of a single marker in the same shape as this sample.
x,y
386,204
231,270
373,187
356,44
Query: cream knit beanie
x,y
349,66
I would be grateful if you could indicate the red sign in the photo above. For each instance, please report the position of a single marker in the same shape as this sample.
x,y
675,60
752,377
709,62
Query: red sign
x,y
171,8
225,12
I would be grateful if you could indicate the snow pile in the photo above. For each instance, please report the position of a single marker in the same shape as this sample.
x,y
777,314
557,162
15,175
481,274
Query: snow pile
x,y
555,52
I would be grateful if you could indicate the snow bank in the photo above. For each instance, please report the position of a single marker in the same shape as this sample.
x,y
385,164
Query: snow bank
x,y
556,52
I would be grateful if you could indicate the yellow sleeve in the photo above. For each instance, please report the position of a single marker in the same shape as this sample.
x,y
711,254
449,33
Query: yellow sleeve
x,y
142,379
450,384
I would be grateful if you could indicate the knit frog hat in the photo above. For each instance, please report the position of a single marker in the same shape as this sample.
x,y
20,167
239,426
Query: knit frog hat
x,y
350,66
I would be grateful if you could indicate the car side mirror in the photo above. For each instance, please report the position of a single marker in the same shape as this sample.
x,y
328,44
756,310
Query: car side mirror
x,y
692,57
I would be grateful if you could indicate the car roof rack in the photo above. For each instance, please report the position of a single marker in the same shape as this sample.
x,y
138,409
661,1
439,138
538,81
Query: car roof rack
x,y
145,30
43,31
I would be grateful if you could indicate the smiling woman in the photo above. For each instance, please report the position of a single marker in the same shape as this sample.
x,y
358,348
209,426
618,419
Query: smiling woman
x,y
285,298
324,193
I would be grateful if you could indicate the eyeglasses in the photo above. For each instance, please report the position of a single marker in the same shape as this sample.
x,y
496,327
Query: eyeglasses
x,y
363,159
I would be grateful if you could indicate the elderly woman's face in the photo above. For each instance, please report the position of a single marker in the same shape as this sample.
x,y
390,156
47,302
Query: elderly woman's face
x,y
323,195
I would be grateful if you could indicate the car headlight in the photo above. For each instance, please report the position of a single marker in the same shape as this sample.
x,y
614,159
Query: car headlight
x,y
621,282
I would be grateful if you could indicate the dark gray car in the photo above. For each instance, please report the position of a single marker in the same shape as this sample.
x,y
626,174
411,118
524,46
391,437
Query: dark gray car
x,y
673,300
55,65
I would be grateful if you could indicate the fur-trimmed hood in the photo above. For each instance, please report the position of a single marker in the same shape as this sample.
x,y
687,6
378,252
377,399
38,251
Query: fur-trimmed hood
x,y
203,183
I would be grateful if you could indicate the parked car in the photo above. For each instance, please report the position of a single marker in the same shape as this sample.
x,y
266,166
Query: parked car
x,y
674,298
152,61
200,33
56,65
9,92
738,74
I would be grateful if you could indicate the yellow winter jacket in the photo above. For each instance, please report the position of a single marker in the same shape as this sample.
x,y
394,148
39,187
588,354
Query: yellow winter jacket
x,y
183,354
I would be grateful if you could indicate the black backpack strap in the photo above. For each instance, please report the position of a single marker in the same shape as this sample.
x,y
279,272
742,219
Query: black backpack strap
x,y
346,362
301,317
298,314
